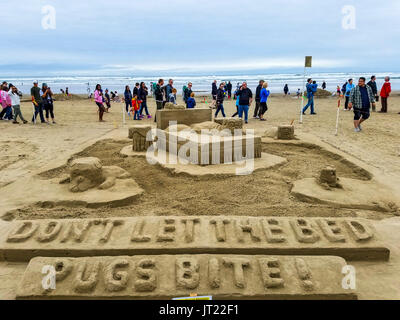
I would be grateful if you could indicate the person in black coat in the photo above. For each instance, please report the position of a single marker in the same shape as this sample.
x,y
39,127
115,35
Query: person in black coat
x,y
258,91
374,88
229,88
214,90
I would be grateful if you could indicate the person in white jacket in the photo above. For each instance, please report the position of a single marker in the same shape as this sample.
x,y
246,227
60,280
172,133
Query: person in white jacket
x,y
15,96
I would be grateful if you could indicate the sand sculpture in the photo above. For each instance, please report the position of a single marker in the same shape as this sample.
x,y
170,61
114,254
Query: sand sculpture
x,y
138,134
88,173
166,277
181,115
171,106
349,193
286,132
349,238
328,178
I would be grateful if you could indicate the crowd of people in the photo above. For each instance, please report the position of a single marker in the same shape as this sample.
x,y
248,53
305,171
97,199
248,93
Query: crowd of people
x,y
359,98
42,101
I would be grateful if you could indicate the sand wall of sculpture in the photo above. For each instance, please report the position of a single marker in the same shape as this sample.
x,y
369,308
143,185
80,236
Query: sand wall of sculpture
x,y
166,277
186,116
350,238
212,149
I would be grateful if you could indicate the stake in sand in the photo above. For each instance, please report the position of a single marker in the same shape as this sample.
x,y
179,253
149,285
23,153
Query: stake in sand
x,y
307,64
337,117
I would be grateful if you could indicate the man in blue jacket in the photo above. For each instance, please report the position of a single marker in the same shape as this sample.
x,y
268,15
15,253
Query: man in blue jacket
x,y
349,87
311,89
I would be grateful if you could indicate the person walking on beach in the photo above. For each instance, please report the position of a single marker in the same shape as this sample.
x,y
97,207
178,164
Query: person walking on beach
x,y
229,89
143,93
344,88
220,100
237,102
214,90
15,96
107,100
311,89
187,93
286,89
48,104
37,102
385,92
372,84
98,98
349,87
258,92
158,94
361,98
323,85
128,99
245,100
5,102
263,100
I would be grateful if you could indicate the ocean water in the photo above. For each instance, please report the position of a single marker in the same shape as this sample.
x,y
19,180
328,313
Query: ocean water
x,y
201,83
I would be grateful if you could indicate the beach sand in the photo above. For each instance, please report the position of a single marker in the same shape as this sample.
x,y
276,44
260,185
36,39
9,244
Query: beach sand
x,y
29,150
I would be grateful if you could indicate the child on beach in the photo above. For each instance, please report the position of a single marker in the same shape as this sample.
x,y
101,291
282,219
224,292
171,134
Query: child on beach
x,y
135,108
191,103
172,96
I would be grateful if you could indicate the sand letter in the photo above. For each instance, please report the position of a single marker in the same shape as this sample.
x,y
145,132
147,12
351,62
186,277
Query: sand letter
x,y
189,229
76,230
116,280
187,273
331,230
247,225
220,230
23,231
361,231
146,276
49,231
238,275
137,234
272,230
166,230
271,273
213,273
84,283
304,231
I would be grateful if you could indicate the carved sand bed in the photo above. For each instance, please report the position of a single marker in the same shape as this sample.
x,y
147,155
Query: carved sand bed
x,y
166,277
265,192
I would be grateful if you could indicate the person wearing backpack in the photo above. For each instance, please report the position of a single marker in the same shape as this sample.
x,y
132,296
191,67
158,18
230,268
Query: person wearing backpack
x,y
158,94
187,93
310,96
349,87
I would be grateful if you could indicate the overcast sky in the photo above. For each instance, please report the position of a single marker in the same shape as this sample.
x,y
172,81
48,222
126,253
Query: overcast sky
x,y
117,37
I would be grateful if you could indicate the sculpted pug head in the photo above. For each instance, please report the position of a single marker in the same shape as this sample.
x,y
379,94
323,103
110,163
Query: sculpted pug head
x,y
85,173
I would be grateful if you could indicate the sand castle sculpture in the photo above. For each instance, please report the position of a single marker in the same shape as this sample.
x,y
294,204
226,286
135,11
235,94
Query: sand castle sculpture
x,y
88,173
328,178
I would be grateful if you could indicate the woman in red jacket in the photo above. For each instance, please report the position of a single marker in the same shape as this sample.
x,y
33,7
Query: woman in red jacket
x,y
385,92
